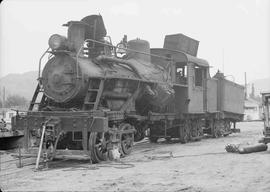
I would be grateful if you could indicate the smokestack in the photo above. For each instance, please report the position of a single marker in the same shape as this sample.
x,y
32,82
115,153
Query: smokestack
x,y
252,94
76,34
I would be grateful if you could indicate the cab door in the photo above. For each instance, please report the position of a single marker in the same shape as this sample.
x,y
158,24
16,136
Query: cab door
x,y
197,92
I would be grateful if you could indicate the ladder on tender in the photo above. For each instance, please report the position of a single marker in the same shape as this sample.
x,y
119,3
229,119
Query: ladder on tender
x,y
34,98
93,95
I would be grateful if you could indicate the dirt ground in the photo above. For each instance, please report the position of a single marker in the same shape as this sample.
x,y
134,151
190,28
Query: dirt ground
x,y
198,166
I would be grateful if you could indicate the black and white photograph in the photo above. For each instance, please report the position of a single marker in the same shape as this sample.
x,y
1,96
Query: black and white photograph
x,y
135,96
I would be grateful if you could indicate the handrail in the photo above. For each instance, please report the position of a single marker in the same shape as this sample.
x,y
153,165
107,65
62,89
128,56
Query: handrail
x,y
39,66
77,56
110,45
127,49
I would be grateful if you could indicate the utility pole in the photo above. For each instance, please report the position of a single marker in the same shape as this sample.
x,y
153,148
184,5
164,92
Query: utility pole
x,y
4,97
223,61
245,85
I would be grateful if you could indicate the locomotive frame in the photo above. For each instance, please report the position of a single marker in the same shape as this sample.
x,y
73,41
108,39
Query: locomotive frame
x,y
200,106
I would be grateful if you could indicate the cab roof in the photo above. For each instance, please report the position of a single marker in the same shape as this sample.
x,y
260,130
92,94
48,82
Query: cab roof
x,y
179,56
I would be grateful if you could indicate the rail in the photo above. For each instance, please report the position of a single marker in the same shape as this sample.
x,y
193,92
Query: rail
x,y
39,64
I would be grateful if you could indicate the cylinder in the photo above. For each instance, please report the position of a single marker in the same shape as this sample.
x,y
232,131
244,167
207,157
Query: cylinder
x,y
253,148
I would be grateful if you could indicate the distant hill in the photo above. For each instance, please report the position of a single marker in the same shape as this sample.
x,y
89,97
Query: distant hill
x,y
22,84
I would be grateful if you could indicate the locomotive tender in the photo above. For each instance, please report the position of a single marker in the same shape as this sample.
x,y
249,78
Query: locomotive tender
x,y
93,97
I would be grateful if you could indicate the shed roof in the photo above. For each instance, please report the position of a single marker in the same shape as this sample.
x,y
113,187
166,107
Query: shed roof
x,y
266,93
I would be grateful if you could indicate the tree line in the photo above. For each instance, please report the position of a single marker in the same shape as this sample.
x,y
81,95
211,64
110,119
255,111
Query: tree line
x,y
14,101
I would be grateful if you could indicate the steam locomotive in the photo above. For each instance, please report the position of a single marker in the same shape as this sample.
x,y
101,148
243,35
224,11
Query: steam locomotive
x,y
93,98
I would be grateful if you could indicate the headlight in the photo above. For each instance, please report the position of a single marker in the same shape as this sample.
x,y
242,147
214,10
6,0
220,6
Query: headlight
x,y
57,42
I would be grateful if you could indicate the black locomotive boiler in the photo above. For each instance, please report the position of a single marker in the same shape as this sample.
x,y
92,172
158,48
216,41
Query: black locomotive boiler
x,y
94,99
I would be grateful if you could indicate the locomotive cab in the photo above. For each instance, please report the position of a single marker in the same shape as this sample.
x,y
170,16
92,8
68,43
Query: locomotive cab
x,y
189,76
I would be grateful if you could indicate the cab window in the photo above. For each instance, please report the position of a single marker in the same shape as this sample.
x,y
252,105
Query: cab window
x,y
181,73
198,76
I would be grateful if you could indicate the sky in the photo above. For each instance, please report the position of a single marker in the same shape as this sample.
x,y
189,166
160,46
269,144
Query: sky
x,y
234,35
